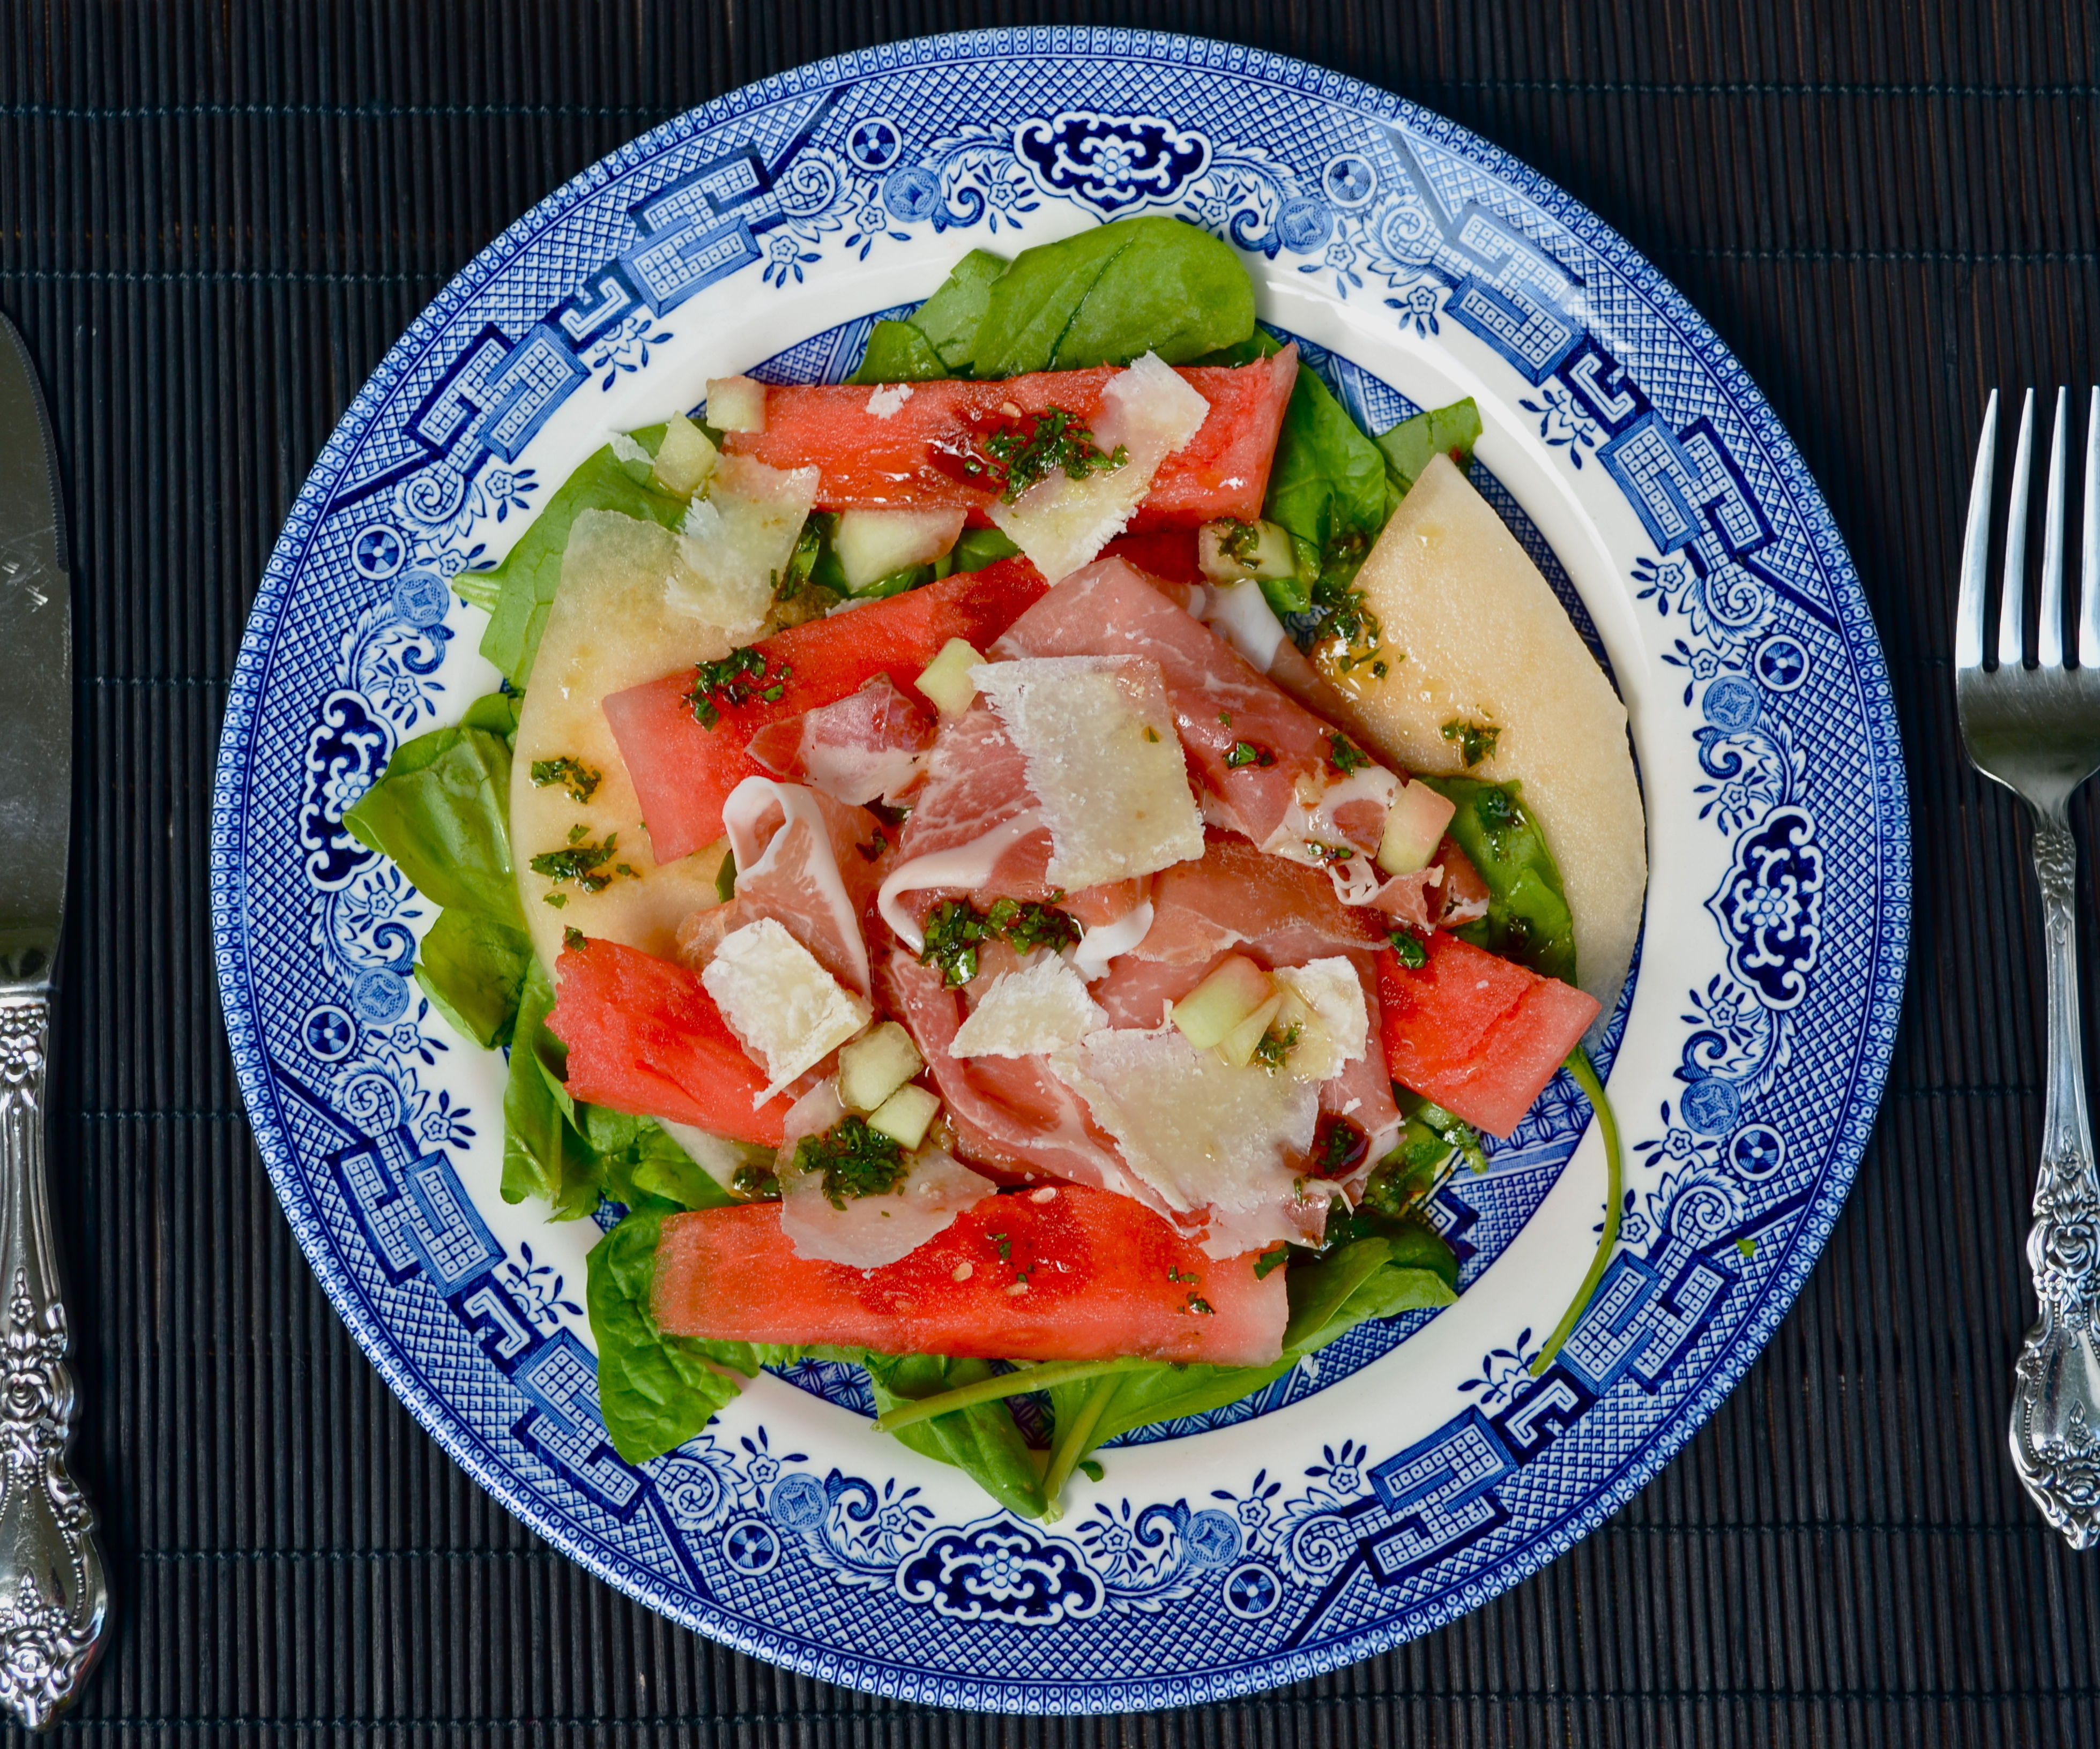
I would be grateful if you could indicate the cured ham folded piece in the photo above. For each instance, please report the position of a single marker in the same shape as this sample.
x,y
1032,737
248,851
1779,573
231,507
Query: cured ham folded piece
x,y
806,862
1010,1113
1062,1274
684,770
1266,763
1236,897
901,445
870,746
974,831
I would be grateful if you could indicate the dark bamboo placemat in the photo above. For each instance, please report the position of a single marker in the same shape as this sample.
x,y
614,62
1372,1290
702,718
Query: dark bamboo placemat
x,y
214,218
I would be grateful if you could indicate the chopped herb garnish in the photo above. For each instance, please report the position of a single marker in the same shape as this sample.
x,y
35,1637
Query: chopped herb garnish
x,y
1030,925
1240,542
1475,741
559,901
756,1183
579,779
1005,1246
1199,1307
856,1159
741,677
1152,734
1327,854
955,928
1248,753
1340,1145
1054,443
1276,1047
1408,948
572,940
580,862
1269,1261
1226,718
1344,755
578,833
1186,1281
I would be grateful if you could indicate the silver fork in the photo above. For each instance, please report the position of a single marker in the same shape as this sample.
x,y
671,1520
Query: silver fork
x,y
2038,732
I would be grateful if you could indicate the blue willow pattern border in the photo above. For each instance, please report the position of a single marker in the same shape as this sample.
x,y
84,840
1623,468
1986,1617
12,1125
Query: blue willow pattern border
x,y
1282,1576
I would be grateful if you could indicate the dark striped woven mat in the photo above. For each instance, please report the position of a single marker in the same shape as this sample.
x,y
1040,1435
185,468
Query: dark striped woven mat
x,y
214,219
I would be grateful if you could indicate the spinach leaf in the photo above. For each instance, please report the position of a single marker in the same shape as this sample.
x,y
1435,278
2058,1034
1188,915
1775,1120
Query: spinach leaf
x,y
1528,918
643,1166
1328,486
981,1440
654,1391
530,573
495,711
442,812
976,548
543,1154
1409,446
951,318
1109,294
472,967
897,352
1367,1278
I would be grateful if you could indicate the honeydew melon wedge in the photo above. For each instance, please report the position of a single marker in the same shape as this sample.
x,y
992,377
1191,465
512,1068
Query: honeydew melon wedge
x,y
1473,634
611,626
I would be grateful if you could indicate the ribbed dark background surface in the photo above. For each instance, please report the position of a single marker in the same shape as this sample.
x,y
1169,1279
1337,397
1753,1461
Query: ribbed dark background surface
x,y
214,218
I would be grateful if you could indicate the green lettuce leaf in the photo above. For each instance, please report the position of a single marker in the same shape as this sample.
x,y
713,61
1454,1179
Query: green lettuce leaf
x,y
530,573
898,352
654,1391
1327,486
1109,294
951,318
473,967
1528,919
982,1441
1409,447
544,1154
442,812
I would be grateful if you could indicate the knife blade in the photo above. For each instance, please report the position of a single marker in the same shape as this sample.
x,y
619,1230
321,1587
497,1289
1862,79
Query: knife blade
x,y
54,1597
36,696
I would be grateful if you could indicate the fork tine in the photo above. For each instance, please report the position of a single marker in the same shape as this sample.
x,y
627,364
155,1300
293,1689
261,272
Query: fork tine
x,y
1976,545
2012,600
2088,583
2048,643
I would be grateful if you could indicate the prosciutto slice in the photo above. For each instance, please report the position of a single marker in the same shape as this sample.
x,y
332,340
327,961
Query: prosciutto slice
x,y
1236,896
1264,761
1009,1112
804,859
868,747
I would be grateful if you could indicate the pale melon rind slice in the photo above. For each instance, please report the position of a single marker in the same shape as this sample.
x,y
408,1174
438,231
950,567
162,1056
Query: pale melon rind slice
x,y
1472,631
610,628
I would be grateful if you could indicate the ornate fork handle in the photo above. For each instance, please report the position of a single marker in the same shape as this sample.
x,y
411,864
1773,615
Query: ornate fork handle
x,y
53,1596
2056,1397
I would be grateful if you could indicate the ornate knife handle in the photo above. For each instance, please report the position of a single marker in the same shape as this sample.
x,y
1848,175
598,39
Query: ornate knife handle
x,y
2056,1395
53,1596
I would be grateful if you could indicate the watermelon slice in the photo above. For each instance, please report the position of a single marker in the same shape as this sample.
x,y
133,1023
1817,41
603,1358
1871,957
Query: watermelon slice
x,y
1054,1274
645,1037
684,772
874,450
1479,1034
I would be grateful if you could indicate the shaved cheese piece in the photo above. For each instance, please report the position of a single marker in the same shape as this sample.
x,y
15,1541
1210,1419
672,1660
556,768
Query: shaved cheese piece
x,y
1149,412
869,1231
1202,1134
735,542
1029,1012
1097,735
785,1009
720,1156
1337,1023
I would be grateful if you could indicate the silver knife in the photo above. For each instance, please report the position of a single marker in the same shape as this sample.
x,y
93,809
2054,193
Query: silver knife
x,y
53,1596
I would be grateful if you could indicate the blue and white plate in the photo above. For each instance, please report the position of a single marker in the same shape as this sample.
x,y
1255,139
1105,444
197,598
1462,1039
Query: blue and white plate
x,y
1420,1469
